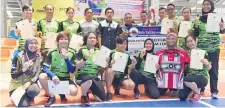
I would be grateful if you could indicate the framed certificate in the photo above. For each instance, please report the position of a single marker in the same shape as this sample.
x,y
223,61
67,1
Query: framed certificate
x,y
196,57
51,40
100,60
166,25
150,63
26,28
213,22
61,88
76,42
185,26
121,60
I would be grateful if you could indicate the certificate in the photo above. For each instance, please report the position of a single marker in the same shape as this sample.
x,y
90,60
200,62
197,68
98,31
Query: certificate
x,y
196,57
50,40
26,29
185,26
17,95
166,25
120,62
100,60
61,88
76,42
213,22
151,61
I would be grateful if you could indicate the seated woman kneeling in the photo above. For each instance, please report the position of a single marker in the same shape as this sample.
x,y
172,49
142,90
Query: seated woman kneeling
x,y
143,77
58,66
88,72
196,78
25,71
121,79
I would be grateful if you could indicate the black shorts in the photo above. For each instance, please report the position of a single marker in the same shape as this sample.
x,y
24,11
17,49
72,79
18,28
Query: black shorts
x,y
117,81
97,88
200,80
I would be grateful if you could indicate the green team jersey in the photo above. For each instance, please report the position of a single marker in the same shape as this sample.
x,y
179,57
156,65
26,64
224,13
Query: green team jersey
x,y
203,71
45,26
129,63
72,28
89,67
207,41
22,41
142,66
57,63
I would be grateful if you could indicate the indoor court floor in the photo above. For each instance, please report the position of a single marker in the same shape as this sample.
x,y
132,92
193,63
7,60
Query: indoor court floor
x,y
124,100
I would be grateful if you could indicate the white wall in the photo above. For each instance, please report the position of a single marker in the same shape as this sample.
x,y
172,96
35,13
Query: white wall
x,y
3,18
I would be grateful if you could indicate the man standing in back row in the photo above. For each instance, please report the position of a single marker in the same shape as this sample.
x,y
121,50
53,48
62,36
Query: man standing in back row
x,y
108,30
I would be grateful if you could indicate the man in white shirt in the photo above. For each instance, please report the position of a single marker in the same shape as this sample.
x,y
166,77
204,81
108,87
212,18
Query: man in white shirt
x,y
88,24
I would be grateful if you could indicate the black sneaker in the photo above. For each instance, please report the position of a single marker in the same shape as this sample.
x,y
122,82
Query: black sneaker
x,y
50,101
109,97
117,92
63,97
84,100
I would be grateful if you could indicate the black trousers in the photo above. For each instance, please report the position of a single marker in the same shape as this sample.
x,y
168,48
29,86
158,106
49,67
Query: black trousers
x,y
150,84
200,80
213,72
97,88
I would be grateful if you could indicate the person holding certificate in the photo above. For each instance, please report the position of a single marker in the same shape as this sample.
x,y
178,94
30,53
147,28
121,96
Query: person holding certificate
x,y
70,26
88,71
143,77
48,24
172,61
210,43
58,66
172,16
187,21
25,71
27,11
196,78
120,79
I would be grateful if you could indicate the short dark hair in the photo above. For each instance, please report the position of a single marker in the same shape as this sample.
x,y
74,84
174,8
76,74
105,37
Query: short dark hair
x,y
25,7
162,8
127,14
144,12
186,8
49,5
120,40
109,8
69,8
171,4
87,10
86,37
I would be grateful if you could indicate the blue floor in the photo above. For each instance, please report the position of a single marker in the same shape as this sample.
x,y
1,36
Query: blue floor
x,y
158,103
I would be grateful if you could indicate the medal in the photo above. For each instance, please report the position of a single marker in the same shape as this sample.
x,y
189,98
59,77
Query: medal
x,y
30,62
91,51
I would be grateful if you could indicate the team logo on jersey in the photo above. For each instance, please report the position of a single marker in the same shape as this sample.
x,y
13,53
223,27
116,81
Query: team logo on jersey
x,y
171,67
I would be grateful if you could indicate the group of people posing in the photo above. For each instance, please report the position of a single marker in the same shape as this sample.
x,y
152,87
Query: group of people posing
x,y
66,64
